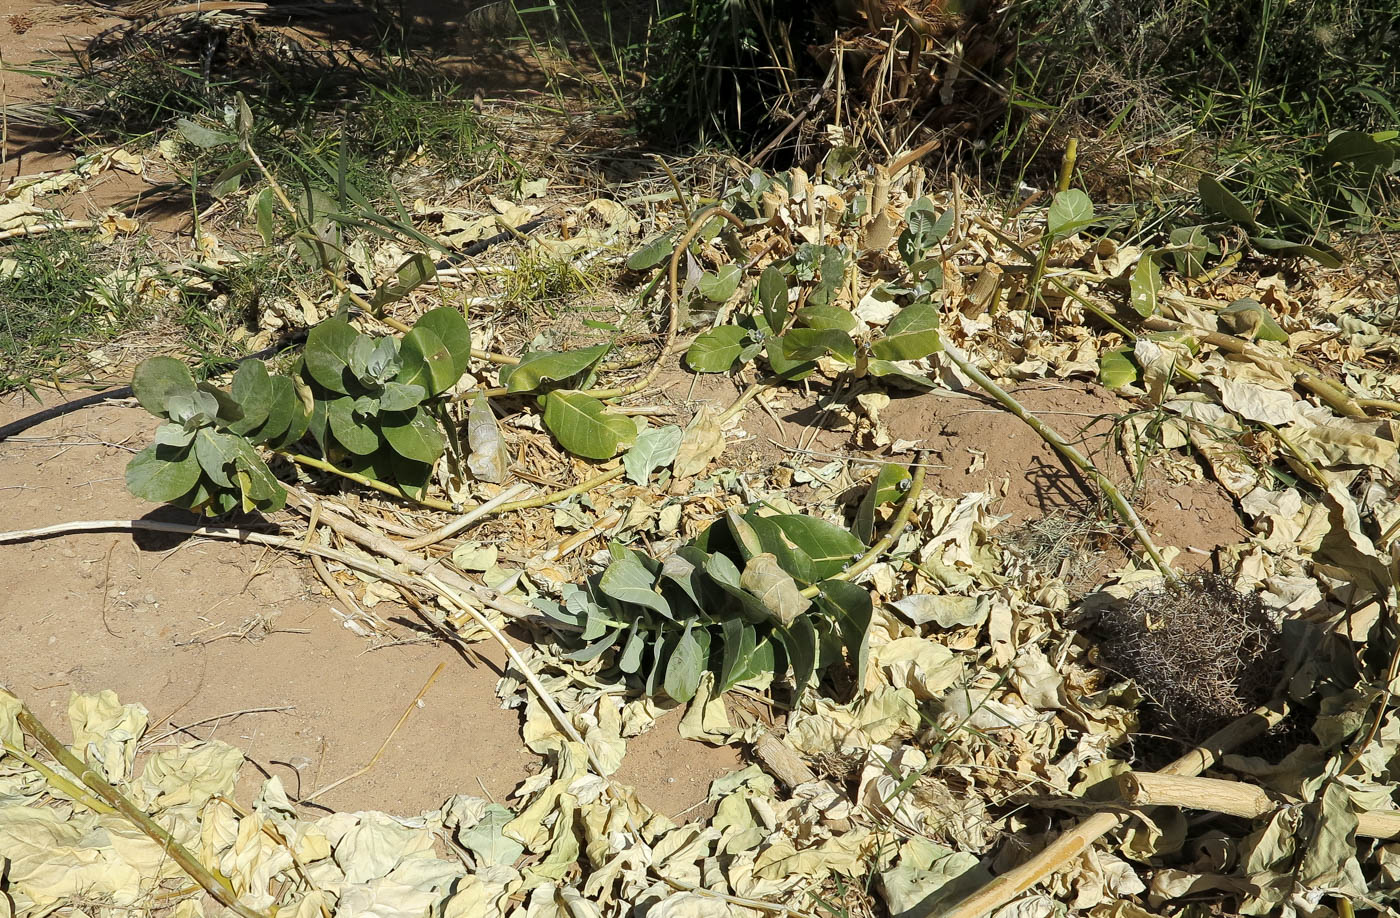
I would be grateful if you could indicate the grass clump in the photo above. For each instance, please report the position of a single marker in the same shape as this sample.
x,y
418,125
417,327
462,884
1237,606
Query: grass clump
x,y
47,306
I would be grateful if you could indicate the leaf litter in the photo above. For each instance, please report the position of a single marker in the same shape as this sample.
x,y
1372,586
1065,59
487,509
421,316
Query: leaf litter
x,y
986,712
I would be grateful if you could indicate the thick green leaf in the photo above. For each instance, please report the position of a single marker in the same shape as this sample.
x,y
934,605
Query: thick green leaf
x,y
718,286
414,435
158,378
1255,320
1218,199
1070,211
894,373
452,330
773,298
399,396
218,454
252,390
227,411
263,208
1318,251
1144,284
416,271
911,335
801,344
1190,249
205,138
737,639
887,487
328,354
162,473
283,409
827,317
723,573
830,547
781,366
427,362
538,367
652,252
656,448
1360,150
1116,368
628,580
583,427
800,641
850,606
350,432
686,663
716,350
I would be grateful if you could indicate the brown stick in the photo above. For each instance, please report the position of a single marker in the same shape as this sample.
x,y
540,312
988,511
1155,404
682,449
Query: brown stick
x,y
118,801
1233,798
1059,853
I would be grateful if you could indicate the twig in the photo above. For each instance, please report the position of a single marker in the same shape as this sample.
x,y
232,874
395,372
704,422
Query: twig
x,y
374,760
220,890
1072,455
217,717
462,522
1063,850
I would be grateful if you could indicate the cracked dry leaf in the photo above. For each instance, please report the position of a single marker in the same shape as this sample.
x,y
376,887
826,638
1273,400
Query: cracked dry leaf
x,y
923,666
489,459
105,732
701,443
928,876
764,577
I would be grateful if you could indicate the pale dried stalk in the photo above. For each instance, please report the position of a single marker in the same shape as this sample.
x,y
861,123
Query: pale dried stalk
x,y
1064,850
462,522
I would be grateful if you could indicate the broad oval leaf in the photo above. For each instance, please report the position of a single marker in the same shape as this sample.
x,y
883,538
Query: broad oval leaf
x,y
1360,150
284,409
582,426
427,362
252,390
718,286
801,344
539,367
717,350
628,580
1218,199
357,437
452,330
1144,284
1069,212
911,335
1190,248
399,396
417,270
686,662
328,354
830,547
1116,368
773,298
158,378
413,435
218,455
656,448
162,473
827,317
652,252
800,642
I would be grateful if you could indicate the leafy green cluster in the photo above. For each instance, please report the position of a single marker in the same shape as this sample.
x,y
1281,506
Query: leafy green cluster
x,y
753,594
580,422
367,402
791,340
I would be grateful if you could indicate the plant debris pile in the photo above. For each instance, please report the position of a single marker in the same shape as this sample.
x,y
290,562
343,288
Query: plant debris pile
x,y
1201,651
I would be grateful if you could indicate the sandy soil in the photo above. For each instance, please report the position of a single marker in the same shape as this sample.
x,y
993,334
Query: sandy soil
x,y
197,629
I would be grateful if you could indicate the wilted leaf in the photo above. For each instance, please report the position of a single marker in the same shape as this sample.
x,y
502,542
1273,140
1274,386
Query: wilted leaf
x,y
774,587
488,842
701,443
489,459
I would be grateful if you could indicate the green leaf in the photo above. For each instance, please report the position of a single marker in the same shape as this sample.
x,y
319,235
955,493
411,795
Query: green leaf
x,y
801,344
227,410
427,362
283,409
923,230
1070,211
686,663
628,580
850,606
203,137
656,448
417,270
1318,251
888,369
719,286
771,539
218,454
266,217
1218,199
1359,150
414,436
773,298
157,379
830,547
162,473
539,367
1255,320
452,329
885,489
252,390
834,317
911,335
328,354
1144,284
629,659
800,641
738,639
716,350
723,573
399,396
583,427
357,437
652,252
781,366
1191,247
1116,368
